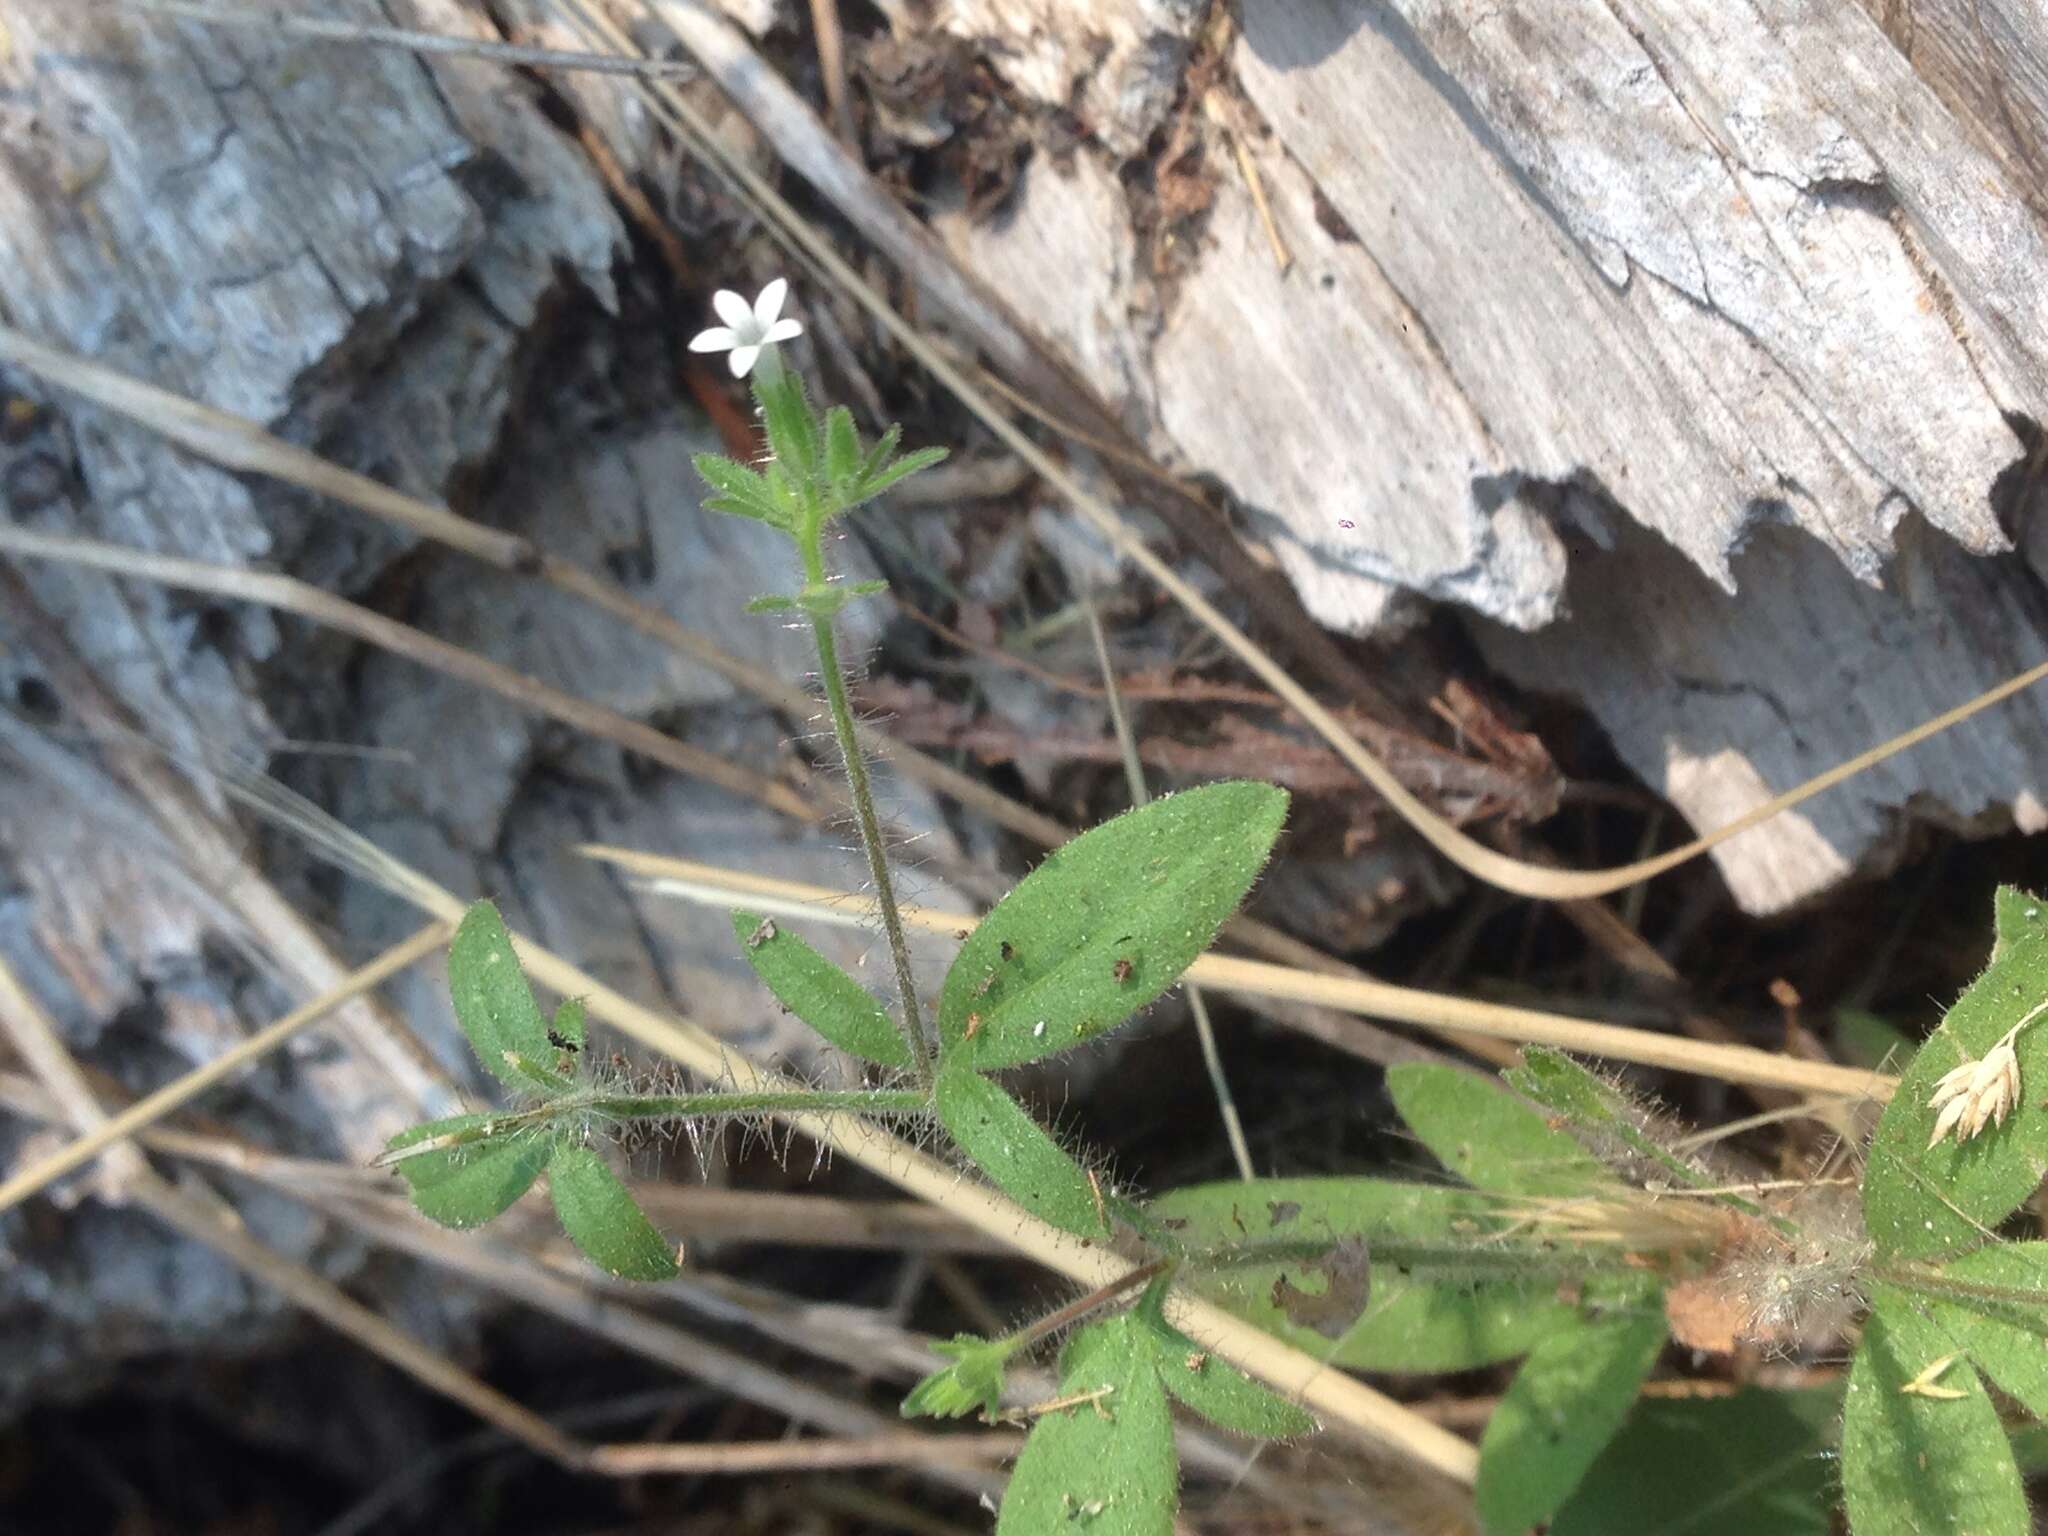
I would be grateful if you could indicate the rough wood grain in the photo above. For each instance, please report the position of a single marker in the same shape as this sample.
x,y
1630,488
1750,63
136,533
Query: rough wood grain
x,y
1563,272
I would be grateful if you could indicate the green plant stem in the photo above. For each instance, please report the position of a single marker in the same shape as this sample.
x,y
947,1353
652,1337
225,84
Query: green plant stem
x,y
911,1019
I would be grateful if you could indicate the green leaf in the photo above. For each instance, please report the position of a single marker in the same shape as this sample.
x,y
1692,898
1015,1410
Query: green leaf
x,y
880,481
773,602
1606,1122
740,491
495,1006
1445,1315
602,1218
1558,1414
1914,1464
1754,1464
1214,1388
791,424
1865,1040
883,451
1105,924
819,993
1489,1137
973,1381
1925,1202
1018,1156
2005,1338
1105,1466
568,1025
842,452
466,1184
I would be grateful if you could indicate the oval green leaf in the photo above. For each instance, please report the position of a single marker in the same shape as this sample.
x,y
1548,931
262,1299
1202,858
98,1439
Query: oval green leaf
x,y
1015,1152
468,1183
1106,924
1213,1388
602,1218
1564,1405
1915,1461
1927,1202
1489,1137
1417,1317
1106,1465
495,1006
2006,1337
819,993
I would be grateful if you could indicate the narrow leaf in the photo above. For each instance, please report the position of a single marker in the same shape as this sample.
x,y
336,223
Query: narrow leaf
x,y
1915,1461
1018,1156
1106,923
819,993
1558,1414
740,491
2005,1337
495,1005
974,1381
1214,1388
1755,1464
1926,1202
881,453
791,424
1105,1465
1489,1137
911,462
467,1184
1440,1298
842,452
602,1218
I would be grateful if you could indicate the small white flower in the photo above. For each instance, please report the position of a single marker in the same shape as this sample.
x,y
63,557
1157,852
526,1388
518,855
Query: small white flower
x,y
748,328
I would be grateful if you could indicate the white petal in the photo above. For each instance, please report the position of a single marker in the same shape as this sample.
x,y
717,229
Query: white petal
x,y
785,329
743,360
769,304
732,309
718,339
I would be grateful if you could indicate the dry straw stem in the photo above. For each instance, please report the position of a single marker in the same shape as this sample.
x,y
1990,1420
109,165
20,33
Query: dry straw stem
x,y
292,595
715,885
741,73
147,1111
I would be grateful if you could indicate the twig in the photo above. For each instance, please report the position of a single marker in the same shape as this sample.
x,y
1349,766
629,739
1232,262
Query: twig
x,y
713,885
1134,776
735,1458
832,68
145,1112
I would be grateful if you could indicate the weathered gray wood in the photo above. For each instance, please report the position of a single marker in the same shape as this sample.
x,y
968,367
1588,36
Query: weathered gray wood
x,y
1565,268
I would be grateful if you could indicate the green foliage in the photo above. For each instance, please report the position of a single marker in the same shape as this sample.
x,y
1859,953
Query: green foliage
x,y
464,1170
1754,1464
1213,1388
2005,1335
973,1382
1922,1448
1489,1137
602,1218
1441,1295
1015,1152
1107,923
470,1180
819,992
1105,1464
495,1006
1926,1202
1559,1413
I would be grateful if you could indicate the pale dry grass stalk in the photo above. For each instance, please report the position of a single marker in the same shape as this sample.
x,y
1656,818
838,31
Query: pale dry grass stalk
x,y
715,885
147,1111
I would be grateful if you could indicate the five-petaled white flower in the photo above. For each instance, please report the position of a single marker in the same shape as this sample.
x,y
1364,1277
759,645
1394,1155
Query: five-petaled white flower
x,y
1980,1093
748,328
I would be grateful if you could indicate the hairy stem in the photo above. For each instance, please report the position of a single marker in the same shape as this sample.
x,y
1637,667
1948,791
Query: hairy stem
x,y
1079,1308
911,1020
